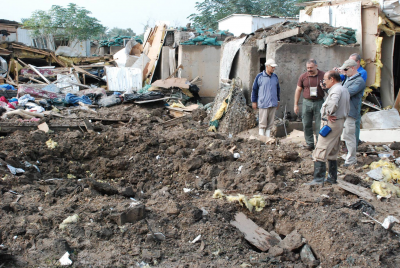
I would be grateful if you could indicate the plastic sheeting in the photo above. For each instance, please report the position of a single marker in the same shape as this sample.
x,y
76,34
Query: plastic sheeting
x,y
381,120
124,79
230,50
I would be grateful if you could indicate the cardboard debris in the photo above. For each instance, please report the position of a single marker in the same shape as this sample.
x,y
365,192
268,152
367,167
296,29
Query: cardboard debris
x,y
172,82
44,127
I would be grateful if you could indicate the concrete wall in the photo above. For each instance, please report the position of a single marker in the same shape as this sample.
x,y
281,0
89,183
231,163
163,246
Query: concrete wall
x,y
246,66
291,60
202,61
164,62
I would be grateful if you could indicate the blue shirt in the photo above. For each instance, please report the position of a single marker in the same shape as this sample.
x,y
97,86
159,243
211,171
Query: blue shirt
x,y
361,70
266,90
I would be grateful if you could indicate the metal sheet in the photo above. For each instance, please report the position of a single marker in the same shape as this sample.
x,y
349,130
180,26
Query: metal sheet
x,y
391,8
387,81
228,54
124,79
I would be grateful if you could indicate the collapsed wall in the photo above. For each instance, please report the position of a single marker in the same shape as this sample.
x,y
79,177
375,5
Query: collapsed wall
x,y
238,116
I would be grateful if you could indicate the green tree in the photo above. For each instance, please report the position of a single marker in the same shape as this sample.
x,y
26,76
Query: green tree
x,y
71,23
210,11
121,32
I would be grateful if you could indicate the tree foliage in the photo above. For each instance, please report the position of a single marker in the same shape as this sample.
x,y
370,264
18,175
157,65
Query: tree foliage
x,y
210,11
72,23
121,32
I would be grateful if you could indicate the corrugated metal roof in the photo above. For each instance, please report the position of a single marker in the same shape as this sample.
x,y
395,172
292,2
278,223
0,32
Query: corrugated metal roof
x,y
11,22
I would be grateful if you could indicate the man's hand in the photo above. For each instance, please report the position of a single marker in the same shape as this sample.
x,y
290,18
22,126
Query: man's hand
x,y
277,107
331,118
296,109
254,105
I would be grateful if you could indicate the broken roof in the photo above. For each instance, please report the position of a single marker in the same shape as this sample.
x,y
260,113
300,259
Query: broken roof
x,y
257,16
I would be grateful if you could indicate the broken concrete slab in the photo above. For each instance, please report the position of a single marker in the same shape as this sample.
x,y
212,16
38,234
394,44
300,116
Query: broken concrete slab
x,y
292,241
307,256
130,213
253,233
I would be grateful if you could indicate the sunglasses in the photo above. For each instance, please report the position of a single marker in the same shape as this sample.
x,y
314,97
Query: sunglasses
x,y
346,69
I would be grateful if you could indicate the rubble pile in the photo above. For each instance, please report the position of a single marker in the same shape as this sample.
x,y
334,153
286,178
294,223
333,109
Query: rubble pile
x,y
135,185
310,33
238,116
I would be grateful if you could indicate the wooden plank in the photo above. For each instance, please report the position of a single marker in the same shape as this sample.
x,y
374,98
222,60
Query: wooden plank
x,y
37,81
147,101
280,36
154,45
36,71
6,129
175,121
80,70
254,233
88,125
355,189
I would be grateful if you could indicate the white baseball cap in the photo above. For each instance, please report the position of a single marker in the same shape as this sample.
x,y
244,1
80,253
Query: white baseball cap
x,y
271,62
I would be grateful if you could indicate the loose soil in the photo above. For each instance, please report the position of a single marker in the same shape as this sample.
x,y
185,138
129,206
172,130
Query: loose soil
x,y
95,174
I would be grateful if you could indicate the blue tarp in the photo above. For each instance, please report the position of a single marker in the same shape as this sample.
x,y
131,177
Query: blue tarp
x,y
73,99
7,87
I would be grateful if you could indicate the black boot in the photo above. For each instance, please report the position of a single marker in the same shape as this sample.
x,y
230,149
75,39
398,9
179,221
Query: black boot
x,y
319,173
332,173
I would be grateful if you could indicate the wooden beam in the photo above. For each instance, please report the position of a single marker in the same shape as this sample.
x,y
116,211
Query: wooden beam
x,y
37,81
36,71
80,70
355,189
254,233
280,36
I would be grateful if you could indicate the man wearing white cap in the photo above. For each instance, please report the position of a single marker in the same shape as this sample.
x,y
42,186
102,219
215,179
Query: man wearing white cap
x,y
266,96
355,84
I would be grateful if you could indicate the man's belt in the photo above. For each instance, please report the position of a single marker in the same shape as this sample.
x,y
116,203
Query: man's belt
x,y
314,100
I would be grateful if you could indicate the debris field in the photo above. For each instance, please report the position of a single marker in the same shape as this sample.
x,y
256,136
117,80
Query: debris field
x,y
138,192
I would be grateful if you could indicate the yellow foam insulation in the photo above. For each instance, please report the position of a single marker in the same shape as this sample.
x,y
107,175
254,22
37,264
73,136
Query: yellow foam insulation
x,y
367,91
257,202
187,92
385,189
362,63
387,25
153,88
378,62
218,194
177,105
382,163
51,144
309,9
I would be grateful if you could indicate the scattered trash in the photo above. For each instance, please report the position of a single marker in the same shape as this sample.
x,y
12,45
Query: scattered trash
x,y
389,222
257,201
51,144
364,207
236,155
187,190
196,239
64,260
69,220
14,170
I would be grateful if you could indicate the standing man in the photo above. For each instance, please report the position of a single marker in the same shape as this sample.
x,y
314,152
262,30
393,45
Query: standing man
x,y
357,58
355,84
313,98
363,73
335,110
266,96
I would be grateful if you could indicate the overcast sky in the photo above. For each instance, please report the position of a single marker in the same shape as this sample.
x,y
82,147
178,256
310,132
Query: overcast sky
x,y
112,13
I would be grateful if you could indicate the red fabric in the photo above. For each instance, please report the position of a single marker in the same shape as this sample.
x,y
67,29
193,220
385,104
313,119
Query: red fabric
x,y
3,99
10,105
